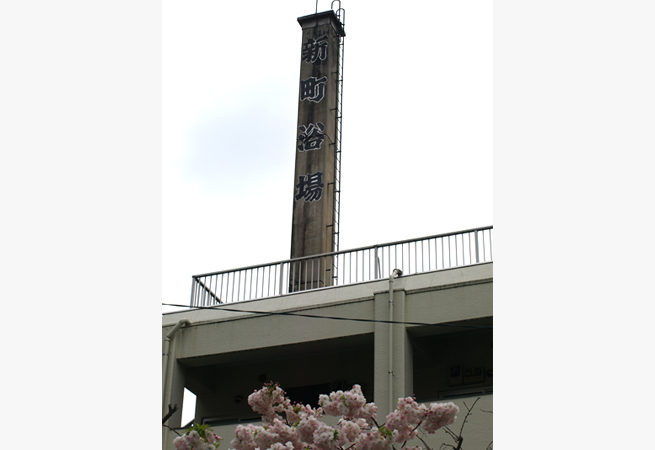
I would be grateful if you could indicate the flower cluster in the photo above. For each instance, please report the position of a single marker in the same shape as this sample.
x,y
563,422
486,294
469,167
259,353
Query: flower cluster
x,y
375,439
198,437
439,415
405,420
351,404
351,429
296,413
269,401
288,426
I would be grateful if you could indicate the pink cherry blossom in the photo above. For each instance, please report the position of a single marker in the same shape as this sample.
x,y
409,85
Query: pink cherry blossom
x,y
306,428
350,404
193,441
439,415
244,437
374,440
351,429
269,402
295,413
289,426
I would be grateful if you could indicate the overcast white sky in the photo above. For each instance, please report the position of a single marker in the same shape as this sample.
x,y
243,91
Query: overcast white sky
x,y
417,127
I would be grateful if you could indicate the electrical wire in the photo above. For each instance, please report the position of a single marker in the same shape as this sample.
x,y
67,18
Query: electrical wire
x,y
353,319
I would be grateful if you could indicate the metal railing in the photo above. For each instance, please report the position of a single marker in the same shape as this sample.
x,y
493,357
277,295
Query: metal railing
x,y
442,251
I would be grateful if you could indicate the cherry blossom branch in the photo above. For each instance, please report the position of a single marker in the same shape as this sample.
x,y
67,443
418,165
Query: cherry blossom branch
x,y
424,443
458,437
172,429
415,428
450,432
171,411
468,413
458,440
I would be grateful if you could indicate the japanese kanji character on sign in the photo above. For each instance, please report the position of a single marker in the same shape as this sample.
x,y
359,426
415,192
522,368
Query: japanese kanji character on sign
x,y
311,137
315,49
312,89
310,187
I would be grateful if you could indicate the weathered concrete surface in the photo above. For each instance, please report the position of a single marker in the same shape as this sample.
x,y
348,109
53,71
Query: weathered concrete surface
x,y
313,213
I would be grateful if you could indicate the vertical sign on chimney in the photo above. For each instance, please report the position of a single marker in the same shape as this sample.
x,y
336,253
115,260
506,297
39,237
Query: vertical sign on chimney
x,y
316,147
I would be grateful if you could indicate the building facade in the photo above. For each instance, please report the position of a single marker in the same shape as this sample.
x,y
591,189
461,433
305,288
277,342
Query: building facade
x,y
439,348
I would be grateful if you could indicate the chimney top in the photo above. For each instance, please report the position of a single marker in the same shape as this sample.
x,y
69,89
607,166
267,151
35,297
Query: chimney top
x,y
321,18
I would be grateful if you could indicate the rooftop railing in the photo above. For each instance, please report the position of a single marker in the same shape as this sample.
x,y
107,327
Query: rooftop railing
x,y
439,252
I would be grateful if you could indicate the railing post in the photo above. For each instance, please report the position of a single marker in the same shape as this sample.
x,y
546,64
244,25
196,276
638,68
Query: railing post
x,y
202,301
193,290
377,264
477,248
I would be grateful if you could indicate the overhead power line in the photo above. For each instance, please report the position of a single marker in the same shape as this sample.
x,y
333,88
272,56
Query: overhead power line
x,y
353,319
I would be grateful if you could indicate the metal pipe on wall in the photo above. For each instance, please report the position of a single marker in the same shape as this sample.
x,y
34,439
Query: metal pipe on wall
x,y
167,343
391,277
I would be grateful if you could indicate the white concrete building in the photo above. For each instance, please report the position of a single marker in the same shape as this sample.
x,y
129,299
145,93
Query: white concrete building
x,y
439,346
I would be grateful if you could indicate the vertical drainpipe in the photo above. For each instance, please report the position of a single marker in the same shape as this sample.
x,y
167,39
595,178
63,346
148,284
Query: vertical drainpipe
x,y
167,343
391,277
